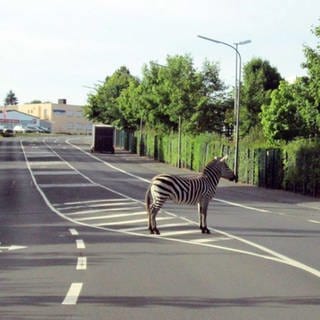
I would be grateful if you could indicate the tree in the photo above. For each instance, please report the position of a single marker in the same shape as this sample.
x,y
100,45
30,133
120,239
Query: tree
x,y
171,91
103,105
312,65
163,96
10,99
178,90
213,109
131,104
282,119
259,80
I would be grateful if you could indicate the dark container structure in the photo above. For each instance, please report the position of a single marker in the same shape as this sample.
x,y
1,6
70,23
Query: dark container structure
x,y
102,138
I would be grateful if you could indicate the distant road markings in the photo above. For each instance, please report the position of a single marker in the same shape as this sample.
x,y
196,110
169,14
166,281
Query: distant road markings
x,y
168,225
74,232
73,293
48,173
68,207
212,239
268,253
80,244
128,222
66,185
11,248
99,210
177,233
45,163
91,201
111,216
314,221
78,213
82,263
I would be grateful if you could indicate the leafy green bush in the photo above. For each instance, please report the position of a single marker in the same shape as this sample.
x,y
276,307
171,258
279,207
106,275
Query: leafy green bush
x,y
302,167
294,166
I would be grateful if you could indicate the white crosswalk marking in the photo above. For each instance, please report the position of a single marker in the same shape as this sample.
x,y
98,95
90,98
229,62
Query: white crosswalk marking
x,y
210,239
178,233
113,216
115,223
121,213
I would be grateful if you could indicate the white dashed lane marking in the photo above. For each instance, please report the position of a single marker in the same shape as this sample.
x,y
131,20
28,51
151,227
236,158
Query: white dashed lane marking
x,y
73,232
81,263
73,293
80,244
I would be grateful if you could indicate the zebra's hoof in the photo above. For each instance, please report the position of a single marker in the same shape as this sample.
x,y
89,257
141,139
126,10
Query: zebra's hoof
x,y
205,230
154,231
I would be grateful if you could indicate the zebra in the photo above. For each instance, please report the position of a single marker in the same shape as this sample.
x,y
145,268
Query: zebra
x,y
196,189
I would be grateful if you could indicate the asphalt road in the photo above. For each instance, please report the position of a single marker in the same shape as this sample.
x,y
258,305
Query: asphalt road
x,y
74,242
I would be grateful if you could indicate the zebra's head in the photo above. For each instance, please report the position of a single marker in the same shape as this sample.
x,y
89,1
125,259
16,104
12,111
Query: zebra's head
x,y
219,163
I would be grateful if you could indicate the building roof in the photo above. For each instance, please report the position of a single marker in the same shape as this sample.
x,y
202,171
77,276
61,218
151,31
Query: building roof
x,y
17,115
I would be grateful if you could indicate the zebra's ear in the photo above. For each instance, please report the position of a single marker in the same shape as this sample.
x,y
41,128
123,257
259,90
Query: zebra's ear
x,y
224,158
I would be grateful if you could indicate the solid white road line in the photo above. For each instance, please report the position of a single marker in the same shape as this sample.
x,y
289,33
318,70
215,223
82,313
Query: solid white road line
x,y
91,201
66,185
101,210
77,213
82,263
61,207
211,239
168,225
314,221
241,205
73,293
128,222
73,232
111,216
178,233
53,173
80,244
45,163
275,256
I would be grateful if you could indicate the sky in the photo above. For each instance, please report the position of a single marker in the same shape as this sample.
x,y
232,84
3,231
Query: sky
x,y
52,49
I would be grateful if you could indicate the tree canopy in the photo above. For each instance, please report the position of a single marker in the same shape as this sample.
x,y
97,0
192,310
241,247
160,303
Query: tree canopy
x,y
177,90
10,99
162,96
259,80
294,110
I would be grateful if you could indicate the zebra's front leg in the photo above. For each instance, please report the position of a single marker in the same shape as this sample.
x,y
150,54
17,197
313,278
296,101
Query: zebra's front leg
x,y
202,209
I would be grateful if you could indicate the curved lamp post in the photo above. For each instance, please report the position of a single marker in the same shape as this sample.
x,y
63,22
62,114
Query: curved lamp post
x,y
236,93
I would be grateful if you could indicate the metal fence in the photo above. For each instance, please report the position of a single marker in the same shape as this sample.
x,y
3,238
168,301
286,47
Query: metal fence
x,y
269,168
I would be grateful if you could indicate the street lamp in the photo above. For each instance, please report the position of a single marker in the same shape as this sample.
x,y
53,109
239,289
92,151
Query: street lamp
x,y
236,93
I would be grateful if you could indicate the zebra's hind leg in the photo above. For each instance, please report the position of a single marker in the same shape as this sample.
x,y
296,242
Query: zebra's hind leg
x,y
202,210
152,222
152,212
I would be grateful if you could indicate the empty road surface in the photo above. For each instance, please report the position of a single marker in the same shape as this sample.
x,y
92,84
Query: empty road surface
x,y
74,242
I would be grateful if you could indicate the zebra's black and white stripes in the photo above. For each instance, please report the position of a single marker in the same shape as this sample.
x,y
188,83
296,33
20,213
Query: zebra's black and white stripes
x,y
197,189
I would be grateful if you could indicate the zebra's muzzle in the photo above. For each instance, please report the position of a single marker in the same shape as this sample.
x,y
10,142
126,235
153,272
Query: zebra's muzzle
x,y
234,178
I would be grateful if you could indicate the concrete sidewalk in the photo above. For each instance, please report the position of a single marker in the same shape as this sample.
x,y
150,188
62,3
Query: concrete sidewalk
x,y
274,195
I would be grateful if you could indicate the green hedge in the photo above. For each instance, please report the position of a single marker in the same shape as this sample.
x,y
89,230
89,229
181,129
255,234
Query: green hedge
x,y
302,167
294,167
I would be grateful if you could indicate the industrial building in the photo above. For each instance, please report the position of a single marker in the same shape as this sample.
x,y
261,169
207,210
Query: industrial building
x,y
58,117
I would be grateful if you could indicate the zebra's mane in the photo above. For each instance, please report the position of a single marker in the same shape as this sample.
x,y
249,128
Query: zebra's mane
x,y
211,165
